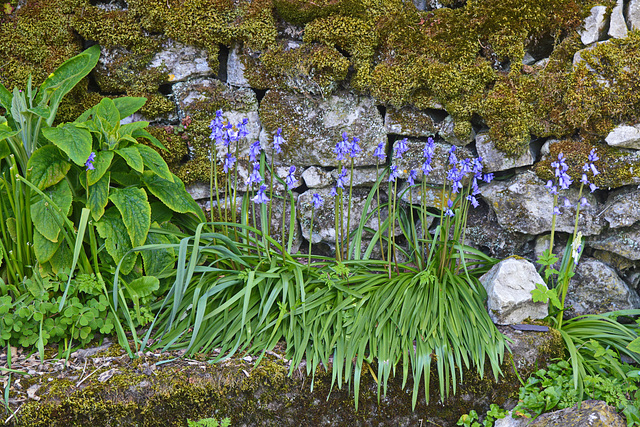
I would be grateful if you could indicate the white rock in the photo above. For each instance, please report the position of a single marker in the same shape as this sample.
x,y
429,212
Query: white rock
x,y
594,25
509,284
235,68
625,136
633,15
494,160
316,177
509,421
617,25
182,61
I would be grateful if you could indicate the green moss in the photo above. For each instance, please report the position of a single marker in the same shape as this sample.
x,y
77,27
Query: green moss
x,y
302,11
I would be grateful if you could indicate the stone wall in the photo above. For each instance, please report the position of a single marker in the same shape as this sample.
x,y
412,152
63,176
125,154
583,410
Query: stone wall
x,y
516,82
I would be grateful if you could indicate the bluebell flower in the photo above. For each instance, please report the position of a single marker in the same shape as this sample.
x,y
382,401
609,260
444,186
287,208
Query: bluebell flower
x,y
229,161
551,188
354,148
452,155
90,160
567,203
261,197
411,180
429,149
254,151
426,167
316,201
473,200
400,147
231,135
393,173
217,121
449,212
556,211
584,203
255,177
242,128
592,187
341,181
380,153
342,147
278,140
593,156
488,177
333,192
291,180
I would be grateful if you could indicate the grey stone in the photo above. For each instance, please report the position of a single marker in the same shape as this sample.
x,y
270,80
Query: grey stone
x,y
316,177
523,204
592,413
235,68
596,288
621,241
622,208
509,284
494,160
181,61
528,59
447,133
617,25
594,25
625,136
362,177
317,124
509,421
633,14
409,121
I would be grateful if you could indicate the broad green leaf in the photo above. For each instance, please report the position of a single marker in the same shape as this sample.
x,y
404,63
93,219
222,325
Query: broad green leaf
x,y
143,133
135,210
129,128
98,197
144,286
107,110
73,140
11,228
61,259
634,345
5,130
5,97
127,105
172,194
46,219
157,261
132,156
47,166
154,162
42,111
109,133
100,164
65,77
43,247
4,149
117,242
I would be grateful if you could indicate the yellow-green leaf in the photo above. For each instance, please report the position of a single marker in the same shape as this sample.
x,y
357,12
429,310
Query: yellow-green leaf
x,y
46,219
154,162
127,105
143,286
135,210
157,261
47,166
73,140
43,247
172,194
108,111
117,242
61,259
132,156
98,197
100,164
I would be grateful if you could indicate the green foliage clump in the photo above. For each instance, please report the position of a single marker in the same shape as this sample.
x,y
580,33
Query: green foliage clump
x,y
209,422
301,11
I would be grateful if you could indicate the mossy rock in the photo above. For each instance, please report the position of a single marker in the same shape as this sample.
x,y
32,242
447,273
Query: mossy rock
x,y
142,392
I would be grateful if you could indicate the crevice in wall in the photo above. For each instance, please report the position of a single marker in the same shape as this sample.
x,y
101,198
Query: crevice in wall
x,y
223,58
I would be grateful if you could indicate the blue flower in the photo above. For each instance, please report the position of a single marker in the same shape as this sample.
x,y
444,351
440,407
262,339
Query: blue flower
x,y
217,121
278,140
452,155
90,160
413,174
400,148
584,203
354,148
342,147
556,211
473,200
261,197
255,177
254,151
551,188
242,128
449,212
291,180
488,177
341,181
380,153
593,156
393,173
426,167
333,192
316,201
429,149
229,161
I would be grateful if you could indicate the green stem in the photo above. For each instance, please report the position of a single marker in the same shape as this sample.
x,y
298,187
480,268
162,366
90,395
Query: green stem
x,y
284,210
271,179
349,209
313,209
379,210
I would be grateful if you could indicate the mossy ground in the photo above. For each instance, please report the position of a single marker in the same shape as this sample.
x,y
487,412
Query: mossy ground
x,y
141,393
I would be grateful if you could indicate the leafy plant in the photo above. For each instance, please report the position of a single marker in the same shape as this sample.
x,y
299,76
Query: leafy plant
x,y
473,420
209,422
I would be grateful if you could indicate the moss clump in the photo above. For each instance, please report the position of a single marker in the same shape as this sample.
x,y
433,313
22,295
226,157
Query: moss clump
x,y
309,68
302,11
617,167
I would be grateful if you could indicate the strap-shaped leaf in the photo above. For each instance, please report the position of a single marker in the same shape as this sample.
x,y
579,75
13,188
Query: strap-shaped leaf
x,y
98,197
127,105
47,166
172,194
100,165
135,210
43,247
45,217
132,156
73,140
154,162
62,80
112,229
